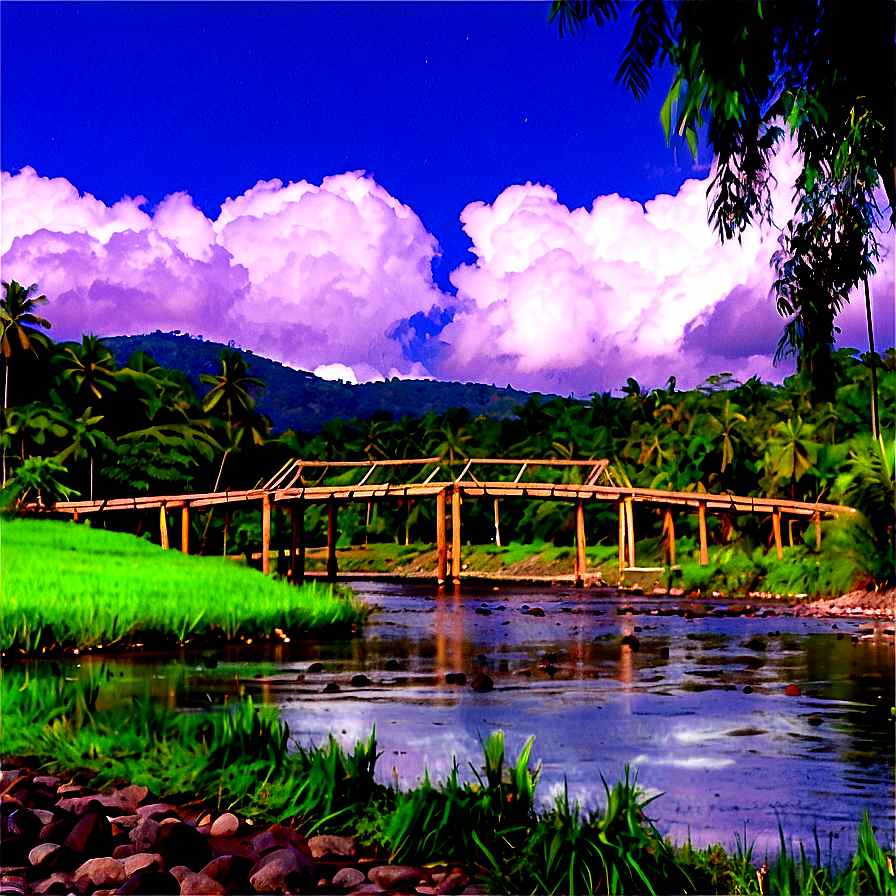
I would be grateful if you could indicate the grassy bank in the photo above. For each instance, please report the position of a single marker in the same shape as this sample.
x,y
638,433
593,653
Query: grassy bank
x,y
242,759
733,570
70,586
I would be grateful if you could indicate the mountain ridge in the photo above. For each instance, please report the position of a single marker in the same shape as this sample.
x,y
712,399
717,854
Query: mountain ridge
x,y
299,400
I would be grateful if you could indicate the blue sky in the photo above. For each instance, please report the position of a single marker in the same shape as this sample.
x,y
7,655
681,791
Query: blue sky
x,y
446,107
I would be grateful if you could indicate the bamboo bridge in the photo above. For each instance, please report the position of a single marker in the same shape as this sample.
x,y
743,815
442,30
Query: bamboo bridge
x,y
299,483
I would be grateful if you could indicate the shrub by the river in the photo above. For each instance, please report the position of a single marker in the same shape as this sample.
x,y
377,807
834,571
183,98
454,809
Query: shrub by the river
x,y
67,585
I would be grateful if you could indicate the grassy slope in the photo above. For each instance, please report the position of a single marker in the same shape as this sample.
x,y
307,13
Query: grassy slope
x,y
69,585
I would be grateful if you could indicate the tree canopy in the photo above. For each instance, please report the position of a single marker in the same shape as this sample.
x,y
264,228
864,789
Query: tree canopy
x,y
747,74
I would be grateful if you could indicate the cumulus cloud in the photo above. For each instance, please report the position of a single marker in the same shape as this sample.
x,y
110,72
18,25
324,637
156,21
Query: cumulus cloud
x,y
337,278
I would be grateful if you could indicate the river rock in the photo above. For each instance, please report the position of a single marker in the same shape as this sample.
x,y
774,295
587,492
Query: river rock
x,y
278,836
57,831
392,877
332,688
482,684
142,861
12,883
101,873
123,850
330,845
196,883
44,856
180,844
348,878
57,882
453,882
229,870
50,781
145,834
24,823
793,690
151,883
9,775
283,869
158,811
225,825
91,835
360,681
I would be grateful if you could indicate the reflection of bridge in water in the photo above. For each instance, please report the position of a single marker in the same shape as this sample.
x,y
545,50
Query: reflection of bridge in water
x,y
299,483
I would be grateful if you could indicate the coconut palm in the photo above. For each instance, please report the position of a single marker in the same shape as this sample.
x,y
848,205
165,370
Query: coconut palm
x,y
18,322
89,367
85,437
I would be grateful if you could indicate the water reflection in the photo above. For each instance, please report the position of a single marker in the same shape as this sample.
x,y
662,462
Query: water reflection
x,y
696,705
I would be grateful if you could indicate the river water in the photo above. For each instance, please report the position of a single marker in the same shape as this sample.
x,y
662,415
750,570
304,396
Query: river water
x,y
697,707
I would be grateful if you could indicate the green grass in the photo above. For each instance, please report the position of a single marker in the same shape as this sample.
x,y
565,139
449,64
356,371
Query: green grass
x,y
242,758
70,586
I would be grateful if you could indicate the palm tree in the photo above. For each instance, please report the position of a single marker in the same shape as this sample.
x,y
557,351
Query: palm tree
x,y
230,388
18,320
86,436
89,366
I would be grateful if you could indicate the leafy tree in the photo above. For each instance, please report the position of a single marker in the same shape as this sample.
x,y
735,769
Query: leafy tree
x,y
89,367
86,438
41,475
741,72
18,322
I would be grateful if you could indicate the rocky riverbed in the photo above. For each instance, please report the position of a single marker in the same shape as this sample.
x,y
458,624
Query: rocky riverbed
x,y
66,838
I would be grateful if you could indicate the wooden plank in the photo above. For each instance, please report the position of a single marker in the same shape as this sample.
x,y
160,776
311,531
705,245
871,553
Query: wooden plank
x,y
701,519
266,535
441,540
455,536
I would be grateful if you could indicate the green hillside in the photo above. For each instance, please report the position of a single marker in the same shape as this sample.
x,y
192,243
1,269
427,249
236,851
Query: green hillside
x,y
301,401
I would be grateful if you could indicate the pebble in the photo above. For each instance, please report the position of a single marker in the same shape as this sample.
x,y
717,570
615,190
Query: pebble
x,y
225,825
44,855
329,845
348,878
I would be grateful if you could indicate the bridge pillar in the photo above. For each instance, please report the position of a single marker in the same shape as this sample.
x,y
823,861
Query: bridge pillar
x,y
817,518
185,529
669,532
332,564
776,529
441,540
297,544
621,507
581,560
266,534
701,520
163,526
455,536
630,528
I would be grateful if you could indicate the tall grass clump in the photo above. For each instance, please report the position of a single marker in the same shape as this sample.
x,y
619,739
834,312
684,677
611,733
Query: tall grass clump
x,y
239,757
66,586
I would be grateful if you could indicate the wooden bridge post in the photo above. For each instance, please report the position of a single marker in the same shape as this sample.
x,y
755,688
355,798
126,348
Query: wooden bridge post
x,y
266,534
185,529
163,526
455,536
226,533
441,540
669,530
817,518
621,537
581,560
776,529
332,564
701,520
297,545
497,525
630,528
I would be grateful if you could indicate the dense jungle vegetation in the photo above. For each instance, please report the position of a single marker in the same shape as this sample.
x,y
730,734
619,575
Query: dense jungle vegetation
x,y
77,424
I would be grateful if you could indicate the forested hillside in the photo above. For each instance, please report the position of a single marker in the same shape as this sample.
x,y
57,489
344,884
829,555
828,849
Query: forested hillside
x,y
301,401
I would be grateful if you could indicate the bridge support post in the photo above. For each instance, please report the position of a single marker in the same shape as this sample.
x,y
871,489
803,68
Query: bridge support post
x,y
630,528
669,532
266,535
185,529
581,560
817,518
163,526
441,540
621,507
332,565
701,520
455,536
497,525
776,529
297,543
